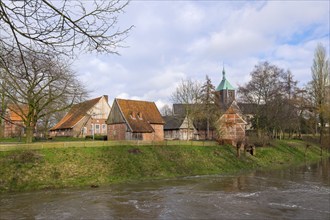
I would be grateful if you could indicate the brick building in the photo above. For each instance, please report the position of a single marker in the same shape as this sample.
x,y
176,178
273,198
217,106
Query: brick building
x,y
86,118
135,120
13,125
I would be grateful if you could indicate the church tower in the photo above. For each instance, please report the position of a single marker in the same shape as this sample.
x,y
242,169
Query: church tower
x,y
225,92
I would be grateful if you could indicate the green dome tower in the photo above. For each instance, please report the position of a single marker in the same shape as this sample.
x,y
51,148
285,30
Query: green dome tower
x,y
225,92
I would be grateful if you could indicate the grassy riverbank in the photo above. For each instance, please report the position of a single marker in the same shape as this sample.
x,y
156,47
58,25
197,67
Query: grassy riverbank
x,y
22,170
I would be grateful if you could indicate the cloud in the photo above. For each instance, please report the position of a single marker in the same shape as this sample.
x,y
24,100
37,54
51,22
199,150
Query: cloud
x,y
189,17
190,39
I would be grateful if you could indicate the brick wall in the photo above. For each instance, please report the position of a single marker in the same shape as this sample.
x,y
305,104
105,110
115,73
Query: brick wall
x,y
95,122
116,131
232,129
159,132
13,129
158,135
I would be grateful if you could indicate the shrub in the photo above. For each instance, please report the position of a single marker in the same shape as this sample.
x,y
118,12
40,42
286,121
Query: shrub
x,y
97,137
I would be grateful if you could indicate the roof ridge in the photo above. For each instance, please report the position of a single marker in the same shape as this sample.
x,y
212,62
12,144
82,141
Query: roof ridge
x,y
134,100
76,113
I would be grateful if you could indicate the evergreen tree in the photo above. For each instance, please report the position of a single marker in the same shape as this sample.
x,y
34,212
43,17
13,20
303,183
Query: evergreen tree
x,y
208,109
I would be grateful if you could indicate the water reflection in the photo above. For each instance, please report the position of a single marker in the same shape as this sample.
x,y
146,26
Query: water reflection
x,y
295,193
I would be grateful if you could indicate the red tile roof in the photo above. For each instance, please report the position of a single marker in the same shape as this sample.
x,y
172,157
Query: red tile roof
x,y
140,114
13,116
76,113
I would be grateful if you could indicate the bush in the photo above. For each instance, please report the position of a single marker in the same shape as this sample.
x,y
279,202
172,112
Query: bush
x,y
97,137
262,141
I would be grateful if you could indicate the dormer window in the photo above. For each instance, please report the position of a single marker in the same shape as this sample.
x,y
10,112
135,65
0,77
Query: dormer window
x,y
140,115
132,115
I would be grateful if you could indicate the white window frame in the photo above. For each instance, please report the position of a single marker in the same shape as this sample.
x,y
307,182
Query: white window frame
x,y
97,129
104,128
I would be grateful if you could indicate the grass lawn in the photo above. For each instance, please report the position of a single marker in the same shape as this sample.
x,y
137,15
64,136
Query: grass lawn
x,y
22,170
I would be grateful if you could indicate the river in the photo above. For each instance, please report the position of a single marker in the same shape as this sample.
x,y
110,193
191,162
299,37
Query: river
x,y
292,193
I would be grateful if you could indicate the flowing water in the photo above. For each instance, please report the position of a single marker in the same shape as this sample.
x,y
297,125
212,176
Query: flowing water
x,y
294,193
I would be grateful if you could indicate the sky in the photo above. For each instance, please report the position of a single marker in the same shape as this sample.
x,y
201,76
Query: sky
x,y
178,40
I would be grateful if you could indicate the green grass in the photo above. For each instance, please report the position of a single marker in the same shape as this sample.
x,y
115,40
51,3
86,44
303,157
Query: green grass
x,y
22,170
12,139
57,139
38,140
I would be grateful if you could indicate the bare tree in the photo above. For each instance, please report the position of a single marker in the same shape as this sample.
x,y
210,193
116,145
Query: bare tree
x,y
287,105
166,110
60,27
267,90
34,32
4,103
319,85
290,85
188,93
46,86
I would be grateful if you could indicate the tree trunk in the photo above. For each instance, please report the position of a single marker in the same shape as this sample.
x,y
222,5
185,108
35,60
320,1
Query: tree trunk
x,y
45,131
2,130
208,128
29,134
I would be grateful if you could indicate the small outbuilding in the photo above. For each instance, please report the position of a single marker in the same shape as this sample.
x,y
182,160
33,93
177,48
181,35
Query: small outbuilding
x,y
179,128
135,120
232,125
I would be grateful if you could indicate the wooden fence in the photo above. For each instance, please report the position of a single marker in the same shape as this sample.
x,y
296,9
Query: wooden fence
x,y
42,145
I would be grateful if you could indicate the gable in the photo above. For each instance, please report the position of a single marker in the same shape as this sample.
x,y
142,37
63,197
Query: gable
x,y
232,119
101,109
187,124
115,116
233,115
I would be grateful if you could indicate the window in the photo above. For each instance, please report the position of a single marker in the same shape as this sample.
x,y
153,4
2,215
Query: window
x,y
132,115
104,128
139,115
97,128
84,130
137,136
